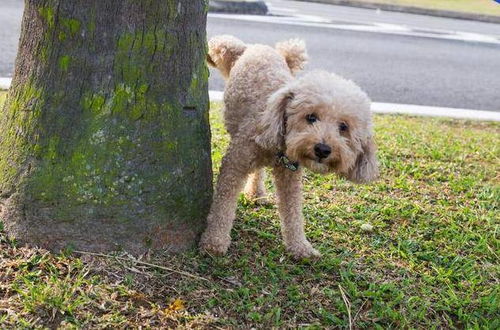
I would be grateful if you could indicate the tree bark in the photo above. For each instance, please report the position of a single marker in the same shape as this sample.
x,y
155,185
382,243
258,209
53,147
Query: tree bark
x,y
104,136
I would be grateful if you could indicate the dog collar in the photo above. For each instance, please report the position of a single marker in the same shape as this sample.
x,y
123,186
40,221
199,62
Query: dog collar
x,y
283,160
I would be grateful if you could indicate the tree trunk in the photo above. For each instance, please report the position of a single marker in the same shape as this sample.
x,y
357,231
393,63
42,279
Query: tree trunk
x,y
104,137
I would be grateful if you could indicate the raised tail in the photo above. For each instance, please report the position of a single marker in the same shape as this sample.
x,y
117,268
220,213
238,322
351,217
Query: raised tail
x,y
223,52
295,53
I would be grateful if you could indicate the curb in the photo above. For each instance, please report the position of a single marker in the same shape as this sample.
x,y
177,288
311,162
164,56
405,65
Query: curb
x,y
5,83
411,10
384,108
238,7
412,110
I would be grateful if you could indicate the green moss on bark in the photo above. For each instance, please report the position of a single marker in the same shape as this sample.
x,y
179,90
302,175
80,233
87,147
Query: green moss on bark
x,y
90,170
47,14
72,25
64,62
20,114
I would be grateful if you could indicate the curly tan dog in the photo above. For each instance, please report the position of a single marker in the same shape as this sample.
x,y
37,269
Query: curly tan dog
x,y
319,121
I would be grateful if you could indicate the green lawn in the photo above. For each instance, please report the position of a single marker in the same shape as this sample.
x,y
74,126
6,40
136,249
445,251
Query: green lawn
x,y
488,7
3,94
431,260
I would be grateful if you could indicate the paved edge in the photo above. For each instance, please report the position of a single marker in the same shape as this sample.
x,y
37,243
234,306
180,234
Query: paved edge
x,y
5,83
414,110
411,10
429,111
238,7
387,108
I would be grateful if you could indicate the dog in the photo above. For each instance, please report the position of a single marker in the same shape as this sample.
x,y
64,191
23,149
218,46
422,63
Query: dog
x,y
318,121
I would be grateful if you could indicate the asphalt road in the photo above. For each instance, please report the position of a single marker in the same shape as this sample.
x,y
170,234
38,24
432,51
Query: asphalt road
x,y
10,27
416,67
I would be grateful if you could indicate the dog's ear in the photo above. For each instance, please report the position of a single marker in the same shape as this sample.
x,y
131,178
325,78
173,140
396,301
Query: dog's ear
x,y
271,126
366,168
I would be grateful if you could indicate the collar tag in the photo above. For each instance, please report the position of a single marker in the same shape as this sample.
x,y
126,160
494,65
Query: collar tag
x,y
284,161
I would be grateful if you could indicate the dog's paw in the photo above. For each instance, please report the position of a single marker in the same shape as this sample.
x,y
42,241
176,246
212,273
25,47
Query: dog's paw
x,y
303,251
214,245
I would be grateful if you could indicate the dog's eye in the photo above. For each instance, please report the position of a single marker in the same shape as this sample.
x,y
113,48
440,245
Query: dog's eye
x,y
311,118
343,127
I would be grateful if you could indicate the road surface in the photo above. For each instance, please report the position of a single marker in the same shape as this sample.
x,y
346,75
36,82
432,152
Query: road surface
x,y
395,57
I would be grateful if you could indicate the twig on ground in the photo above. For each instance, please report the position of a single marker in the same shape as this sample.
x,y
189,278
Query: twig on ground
x,y
347,305
359,310
180,272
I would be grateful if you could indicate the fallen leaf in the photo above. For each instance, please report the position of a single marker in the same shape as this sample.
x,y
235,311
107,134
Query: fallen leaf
x,y
176,305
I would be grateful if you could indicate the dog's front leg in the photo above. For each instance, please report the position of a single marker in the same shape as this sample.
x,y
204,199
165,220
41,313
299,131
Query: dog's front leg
x,y
236,165
289,194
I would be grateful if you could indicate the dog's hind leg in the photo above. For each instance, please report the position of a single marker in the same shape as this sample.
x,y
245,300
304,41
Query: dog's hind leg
x,y
255,189
236,165
289,195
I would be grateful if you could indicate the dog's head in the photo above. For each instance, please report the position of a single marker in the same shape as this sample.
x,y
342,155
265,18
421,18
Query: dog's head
x,y
323,122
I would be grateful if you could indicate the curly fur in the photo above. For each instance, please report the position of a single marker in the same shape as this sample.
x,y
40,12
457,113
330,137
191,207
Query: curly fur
x,y
295,53
266,111
224,51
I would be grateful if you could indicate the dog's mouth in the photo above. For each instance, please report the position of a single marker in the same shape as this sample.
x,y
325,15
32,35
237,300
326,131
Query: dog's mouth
x,y
313,158
328,161
309,159
318,164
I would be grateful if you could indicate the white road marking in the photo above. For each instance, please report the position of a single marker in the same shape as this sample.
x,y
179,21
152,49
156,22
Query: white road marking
x,y
377,107
307,18
276,9
411,109
316,21
392,27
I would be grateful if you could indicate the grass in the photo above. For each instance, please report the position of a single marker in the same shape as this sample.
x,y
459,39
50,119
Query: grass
x,y
430,262
3,95
487,7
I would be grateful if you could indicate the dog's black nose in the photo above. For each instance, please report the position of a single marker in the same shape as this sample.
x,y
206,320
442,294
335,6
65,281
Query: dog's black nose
x,y
322,150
